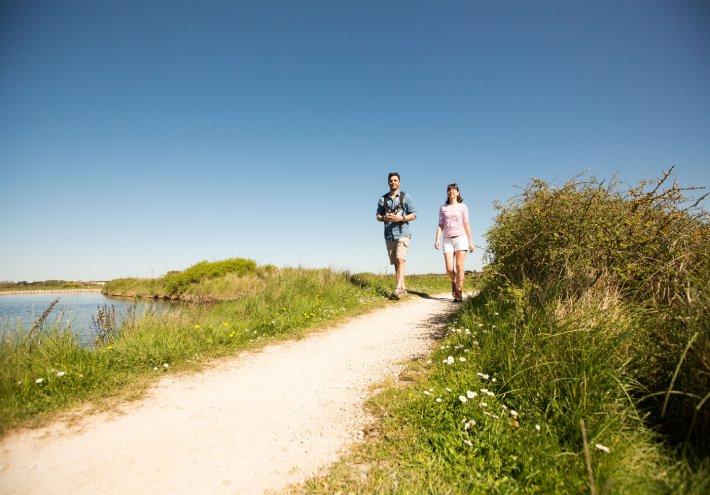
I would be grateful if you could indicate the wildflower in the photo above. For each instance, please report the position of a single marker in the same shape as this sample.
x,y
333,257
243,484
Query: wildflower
x,y
603,448
468,442
426,392
514,413
61,373
439,399
471,394
483,375
537,427
166,365
431,390
467,425
493,380
467,350
491,415
504,406
480,325
155,368
496,313
462,359
487,392
449,360
39,380
463,399
448,389
483,404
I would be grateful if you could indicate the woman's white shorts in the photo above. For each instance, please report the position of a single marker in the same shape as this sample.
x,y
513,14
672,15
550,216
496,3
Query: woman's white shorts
x,y
459,243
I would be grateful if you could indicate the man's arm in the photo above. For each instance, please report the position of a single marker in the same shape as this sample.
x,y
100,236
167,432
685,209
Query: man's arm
x,y
409,213
380,215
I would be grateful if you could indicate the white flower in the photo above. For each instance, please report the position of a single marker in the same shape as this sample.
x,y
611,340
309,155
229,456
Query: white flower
x,y
448,389
480,324
61,373
483,404
483,375
487,392
468,442
426,392
471,394
155,368
469,424
166,365
463,398
504,406
439,399
39,380
603,448
449,360
493,380
467,350
514,413
496,313
462,359
537,427
491,415
431,390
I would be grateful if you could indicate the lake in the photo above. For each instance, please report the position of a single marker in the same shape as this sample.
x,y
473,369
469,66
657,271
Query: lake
x,y
74,308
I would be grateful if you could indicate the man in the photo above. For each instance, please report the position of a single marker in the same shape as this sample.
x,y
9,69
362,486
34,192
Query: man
x,y
396,210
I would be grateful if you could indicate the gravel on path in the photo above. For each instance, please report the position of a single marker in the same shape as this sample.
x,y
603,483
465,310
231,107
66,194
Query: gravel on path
x,y
259,421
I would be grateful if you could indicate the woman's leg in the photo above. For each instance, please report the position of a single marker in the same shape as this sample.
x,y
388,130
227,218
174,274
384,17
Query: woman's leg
x,y
449,263
460,270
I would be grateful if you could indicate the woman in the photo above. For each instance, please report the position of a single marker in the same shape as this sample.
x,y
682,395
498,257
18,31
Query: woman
x,y
453,223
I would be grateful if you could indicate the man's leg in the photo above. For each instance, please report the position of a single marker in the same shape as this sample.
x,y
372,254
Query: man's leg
x,y
399,265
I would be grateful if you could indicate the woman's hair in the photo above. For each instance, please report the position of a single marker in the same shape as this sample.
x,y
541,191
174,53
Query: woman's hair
x,y
450,187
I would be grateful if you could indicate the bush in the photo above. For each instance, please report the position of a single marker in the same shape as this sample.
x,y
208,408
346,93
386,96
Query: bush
x,y
177,282
650,244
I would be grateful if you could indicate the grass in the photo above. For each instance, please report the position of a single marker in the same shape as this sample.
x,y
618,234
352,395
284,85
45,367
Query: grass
x,y
47,285
50,372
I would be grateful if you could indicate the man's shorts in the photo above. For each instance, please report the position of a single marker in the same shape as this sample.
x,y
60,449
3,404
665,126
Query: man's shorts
x,y
397,248
459,243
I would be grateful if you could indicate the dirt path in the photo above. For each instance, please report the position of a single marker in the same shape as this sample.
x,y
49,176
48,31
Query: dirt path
x,y
257,422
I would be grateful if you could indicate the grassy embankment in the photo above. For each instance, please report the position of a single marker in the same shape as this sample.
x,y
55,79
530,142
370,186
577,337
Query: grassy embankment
x,y
45,370
47,285
582,366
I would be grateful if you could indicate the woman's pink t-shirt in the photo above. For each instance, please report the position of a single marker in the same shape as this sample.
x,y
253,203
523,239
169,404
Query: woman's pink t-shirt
x,y
452,219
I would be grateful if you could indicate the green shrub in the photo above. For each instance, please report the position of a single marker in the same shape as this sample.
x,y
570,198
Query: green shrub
x,y
651,245
177,282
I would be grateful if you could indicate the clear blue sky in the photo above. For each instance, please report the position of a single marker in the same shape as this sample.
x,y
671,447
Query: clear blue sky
x,y
142,136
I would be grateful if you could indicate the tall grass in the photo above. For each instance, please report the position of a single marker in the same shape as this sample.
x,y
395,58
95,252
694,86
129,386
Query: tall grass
x,y
50,371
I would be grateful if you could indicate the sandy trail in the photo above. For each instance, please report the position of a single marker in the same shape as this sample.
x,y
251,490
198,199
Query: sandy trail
x,y
256,422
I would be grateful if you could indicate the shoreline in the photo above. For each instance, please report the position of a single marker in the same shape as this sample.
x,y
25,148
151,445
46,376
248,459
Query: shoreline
x,y
43,291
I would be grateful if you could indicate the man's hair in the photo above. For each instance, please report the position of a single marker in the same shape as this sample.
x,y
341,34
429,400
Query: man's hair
x,y
391,174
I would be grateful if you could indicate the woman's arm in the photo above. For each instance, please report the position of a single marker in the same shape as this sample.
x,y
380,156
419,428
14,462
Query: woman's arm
x,y
437,243
467,228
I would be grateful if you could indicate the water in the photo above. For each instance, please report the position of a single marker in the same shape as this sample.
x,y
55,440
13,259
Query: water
x,y
74,309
